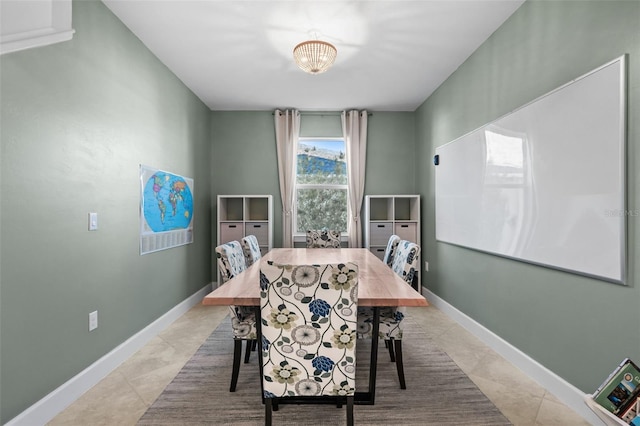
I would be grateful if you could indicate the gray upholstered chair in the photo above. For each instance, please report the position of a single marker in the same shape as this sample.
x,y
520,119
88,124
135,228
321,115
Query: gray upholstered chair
x,y
405,264
308,345
390,251
231,262
251,249
324,238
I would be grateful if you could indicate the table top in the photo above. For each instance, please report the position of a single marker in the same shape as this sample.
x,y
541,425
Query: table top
x,y
378,285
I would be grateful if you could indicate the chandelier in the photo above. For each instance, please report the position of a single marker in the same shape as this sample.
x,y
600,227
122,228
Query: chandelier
x,y
314,56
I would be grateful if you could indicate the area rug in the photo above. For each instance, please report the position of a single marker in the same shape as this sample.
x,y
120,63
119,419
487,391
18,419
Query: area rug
x,y
438,392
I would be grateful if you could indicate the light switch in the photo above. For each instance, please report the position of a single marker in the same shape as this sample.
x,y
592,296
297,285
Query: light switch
x,y
93,320
93,221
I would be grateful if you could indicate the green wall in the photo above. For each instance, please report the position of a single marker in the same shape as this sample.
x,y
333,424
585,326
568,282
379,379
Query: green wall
x,y
578,327
245,161
78,118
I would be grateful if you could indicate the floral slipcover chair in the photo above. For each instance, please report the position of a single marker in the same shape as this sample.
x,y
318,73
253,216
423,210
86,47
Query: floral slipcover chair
x,y
405,264
325,238
390,251
251,249
309,321
231,262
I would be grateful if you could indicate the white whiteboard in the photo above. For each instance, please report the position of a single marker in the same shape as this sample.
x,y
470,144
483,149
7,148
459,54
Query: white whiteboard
x,y
545,183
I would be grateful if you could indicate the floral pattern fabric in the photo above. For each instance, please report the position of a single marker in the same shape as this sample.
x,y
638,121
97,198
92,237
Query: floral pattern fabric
x,y
405,264
231,262
389,324
390,251
230,259
309,319
251,250
324,238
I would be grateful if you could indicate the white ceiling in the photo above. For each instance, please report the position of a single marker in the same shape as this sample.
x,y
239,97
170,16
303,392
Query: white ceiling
x,y
237,55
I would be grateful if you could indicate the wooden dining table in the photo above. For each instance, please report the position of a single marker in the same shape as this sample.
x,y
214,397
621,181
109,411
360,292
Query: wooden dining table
x,y
378,286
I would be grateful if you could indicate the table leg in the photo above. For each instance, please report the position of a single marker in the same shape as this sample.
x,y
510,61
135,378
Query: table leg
x,y
373,368
259,338
369,397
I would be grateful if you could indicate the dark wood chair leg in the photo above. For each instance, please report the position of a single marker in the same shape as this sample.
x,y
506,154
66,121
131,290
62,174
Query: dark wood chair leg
x,y
267,411
247,352
389,344
350,411
237,353
399,365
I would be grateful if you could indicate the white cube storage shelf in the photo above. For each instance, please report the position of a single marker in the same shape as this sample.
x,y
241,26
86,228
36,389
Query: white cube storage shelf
x,y
242,215
385,215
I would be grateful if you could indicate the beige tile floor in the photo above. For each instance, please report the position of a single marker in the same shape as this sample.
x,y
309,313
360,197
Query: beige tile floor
x,y
125,394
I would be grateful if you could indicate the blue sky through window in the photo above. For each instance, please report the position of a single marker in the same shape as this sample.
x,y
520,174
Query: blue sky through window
x,y
325,144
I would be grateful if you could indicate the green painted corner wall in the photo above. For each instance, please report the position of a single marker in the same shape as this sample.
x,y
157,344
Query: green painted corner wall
x,y
245,162
78,118
578,327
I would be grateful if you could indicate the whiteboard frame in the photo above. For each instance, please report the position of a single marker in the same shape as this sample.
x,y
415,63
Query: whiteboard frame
x,y
621,167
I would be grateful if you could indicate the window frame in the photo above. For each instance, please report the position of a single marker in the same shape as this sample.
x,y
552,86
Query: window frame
x,y
302,236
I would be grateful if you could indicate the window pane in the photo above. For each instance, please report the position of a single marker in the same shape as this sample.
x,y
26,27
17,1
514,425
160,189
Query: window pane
x,y
321,161
321,208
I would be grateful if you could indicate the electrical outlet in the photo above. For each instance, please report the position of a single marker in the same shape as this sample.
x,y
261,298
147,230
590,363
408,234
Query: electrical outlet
x,y
93,320
426,266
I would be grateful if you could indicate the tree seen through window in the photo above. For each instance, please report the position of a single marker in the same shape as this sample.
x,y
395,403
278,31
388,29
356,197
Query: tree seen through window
x,y
321,185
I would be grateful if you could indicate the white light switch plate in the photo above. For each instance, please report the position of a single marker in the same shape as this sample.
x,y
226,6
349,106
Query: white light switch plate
x,y
93,320
93,221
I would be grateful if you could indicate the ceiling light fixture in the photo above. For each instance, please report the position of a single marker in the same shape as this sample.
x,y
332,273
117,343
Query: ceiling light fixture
x,y
314,56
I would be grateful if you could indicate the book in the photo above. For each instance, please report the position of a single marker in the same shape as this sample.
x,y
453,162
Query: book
x,y
631,413
620,388
608,379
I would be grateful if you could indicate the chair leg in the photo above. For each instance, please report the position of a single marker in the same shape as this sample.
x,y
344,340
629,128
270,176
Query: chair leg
x,y
350,411
237,353
247,352
267,412
389,344
255,345
399,365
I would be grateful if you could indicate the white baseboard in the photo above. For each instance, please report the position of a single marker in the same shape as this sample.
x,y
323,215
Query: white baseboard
x,y
48,407
568,394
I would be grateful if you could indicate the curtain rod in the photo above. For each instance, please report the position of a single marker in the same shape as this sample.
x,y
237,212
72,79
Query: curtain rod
x,y
328,113
323,113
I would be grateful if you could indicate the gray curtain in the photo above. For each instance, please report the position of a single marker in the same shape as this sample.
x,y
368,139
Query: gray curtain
x,y
354,129
287,125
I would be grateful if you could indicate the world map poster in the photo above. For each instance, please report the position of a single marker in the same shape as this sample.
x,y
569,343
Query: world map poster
x,y
166,210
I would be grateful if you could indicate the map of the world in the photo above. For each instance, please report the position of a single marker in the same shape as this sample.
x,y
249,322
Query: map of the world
x,y
168,203
167,210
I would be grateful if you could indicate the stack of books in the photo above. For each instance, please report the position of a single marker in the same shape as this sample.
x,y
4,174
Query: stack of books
x,y
620,393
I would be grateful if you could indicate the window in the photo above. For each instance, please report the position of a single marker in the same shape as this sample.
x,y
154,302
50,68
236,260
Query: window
x,y
321,185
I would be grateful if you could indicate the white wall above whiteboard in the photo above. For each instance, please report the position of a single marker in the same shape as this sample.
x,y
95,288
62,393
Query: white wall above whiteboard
x,y
544,184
